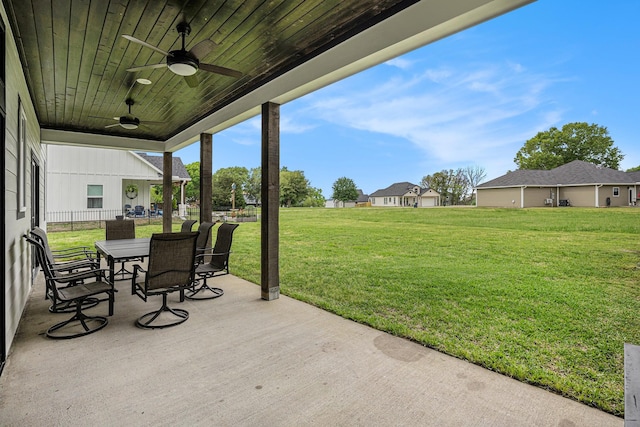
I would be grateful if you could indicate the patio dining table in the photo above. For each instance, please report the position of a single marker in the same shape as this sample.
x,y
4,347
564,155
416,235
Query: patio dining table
x,y
121,249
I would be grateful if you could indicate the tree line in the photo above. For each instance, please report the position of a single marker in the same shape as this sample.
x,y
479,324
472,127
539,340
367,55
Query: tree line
x,y
295,188
546,150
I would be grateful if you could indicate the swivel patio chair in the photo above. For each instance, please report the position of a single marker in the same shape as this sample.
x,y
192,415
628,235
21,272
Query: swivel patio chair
x,y
187,225
70,259
218,265
74,289
171,269
121,229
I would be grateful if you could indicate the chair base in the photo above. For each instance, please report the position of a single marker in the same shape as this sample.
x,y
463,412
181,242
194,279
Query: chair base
x,y
179,316
204,291
70,307
89,324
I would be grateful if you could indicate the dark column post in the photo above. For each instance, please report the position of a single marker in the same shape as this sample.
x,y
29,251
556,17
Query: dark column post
x,y
206,172
167,191
270,198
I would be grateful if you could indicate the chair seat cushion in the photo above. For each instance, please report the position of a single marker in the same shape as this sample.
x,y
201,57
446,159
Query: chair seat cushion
x,y
72,293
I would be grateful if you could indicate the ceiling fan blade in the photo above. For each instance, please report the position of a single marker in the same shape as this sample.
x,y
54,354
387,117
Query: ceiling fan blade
x,y
112,126
145,44
192,80
146,67
203,48
221,70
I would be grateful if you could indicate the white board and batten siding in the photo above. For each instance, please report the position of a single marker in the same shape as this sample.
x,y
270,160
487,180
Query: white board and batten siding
x,y
72,169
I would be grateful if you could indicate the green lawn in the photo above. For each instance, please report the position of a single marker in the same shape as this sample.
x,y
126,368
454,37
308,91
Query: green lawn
x,y
547,296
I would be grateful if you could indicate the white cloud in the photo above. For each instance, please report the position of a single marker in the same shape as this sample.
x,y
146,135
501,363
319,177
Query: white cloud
x,y
468,116
401,63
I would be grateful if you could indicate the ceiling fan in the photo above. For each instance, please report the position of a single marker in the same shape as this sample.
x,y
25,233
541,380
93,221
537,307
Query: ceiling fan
x,y
185,62
128,121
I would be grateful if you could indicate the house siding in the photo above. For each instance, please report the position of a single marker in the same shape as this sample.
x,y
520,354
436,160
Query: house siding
x,y
579,196
71,169
499,197
536,196
17,277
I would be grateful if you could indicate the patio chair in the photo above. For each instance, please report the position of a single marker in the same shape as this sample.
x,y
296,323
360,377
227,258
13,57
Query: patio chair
x,y
187,225
74,290
171,268
218,265
70,259
77,275
117,230
138,211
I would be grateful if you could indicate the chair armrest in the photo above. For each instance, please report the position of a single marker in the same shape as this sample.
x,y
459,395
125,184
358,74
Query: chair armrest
x,y
81,275
136,268
74,252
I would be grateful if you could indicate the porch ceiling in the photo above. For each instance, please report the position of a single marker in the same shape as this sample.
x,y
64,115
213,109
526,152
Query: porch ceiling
x,y
75,58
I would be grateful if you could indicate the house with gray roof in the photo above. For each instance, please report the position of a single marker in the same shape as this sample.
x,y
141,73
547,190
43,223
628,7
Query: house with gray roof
x,y
405,194
361,200
96,180
577,183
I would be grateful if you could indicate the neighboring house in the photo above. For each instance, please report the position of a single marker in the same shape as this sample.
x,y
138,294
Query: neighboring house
x,y
405,194
362,199
576,183
97,179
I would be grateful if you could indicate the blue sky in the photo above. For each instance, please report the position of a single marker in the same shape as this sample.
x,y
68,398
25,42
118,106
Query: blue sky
x,y
471,99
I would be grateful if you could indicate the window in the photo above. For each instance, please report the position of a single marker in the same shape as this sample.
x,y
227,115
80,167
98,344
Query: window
x,y
616,191
21,166
94,196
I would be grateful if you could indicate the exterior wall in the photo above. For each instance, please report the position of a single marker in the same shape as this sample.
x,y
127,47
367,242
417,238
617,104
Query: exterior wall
x,y
385,202
607,191
536,196
17,253
579,196
498,197
71,169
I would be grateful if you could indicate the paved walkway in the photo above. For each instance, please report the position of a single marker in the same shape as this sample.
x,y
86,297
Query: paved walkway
x,y
241,361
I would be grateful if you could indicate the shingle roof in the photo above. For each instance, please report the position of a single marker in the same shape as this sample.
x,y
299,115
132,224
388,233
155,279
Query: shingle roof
x,y
177,166
397,189
576,172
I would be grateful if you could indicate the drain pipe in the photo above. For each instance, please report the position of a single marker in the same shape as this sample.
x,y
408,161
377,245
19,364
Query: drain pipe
x,y
522,196
597,194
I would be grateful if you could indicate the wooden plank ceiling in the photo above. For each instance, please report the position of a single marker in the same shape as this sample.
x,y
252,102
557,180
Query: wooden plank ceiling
x,y
76,60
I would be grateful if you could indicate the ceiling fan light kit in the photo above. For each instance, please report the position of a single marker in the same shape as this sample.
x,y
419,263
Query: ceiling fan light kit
x,y
182,64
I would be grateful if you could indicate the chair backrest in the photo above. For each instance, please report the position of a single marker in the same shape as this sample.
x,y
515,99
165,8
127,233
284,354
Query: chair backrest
x,y
41,255
41,237
203,237
117,229
187,225
139,209
171,260
222,248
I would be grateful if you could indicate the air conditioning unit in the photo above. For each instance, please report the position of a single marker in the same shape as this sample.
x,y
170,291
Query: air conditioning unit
x,y
548,201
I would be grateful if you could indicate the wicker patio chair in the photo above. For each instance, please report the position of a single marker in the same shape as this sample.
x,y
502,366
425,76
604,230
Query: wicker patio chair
x,y
218,265
171,268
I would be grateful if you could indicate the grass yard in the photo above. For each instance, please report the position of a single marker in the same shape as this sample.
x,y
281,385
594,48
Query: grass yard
x,y
547,296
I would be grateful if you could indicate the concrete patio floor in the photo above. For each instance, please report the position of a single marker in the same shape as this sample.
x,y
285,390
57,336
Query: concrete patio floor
x,y
241,361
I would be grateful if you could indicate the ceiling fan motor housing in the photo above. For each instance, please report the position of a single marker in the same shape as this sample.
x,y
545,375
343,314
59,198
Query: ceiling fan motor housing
x,y
129,122
182,62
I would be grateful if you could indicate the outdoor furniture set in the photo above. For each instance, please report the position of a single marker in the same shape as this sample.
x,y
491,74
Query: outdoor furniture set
x,y
177,262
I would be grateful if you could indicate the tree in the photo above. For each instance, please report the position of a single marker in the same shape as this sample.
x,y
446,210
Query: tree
x,y
253,186
636,169
453,186
314,199
344,190
575,141
294,187
223,179
192,189
474,175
